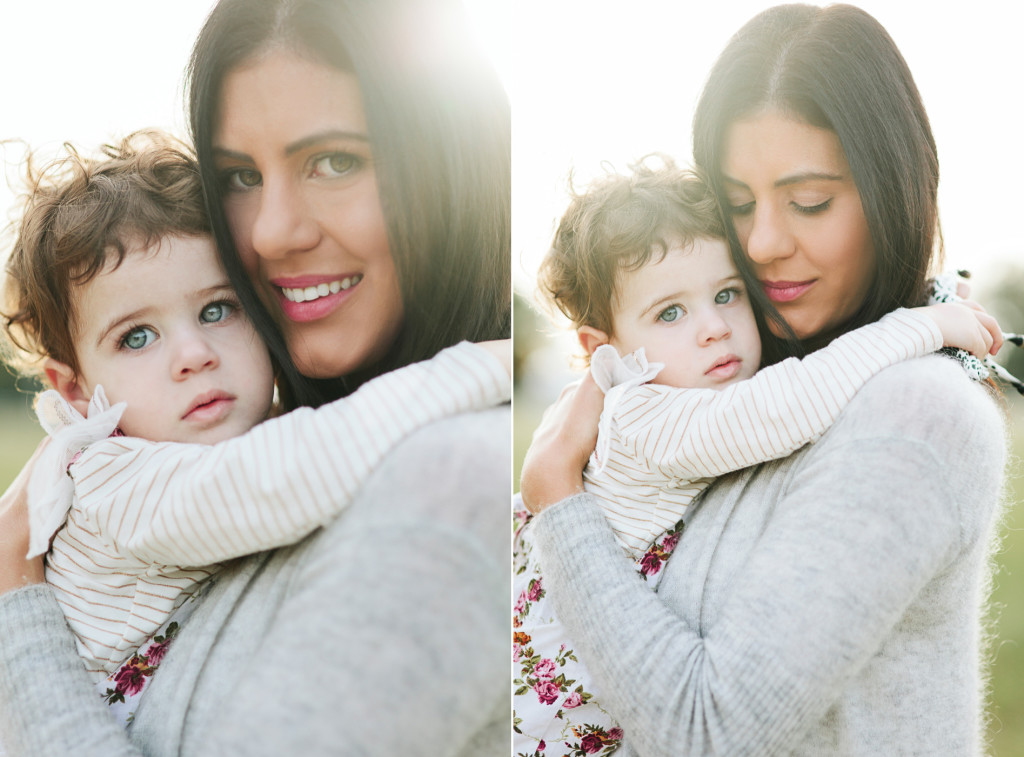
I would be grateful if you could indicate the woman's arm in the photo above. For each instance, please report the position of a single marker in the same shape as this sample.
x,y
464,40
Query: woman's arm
x,y
881,505
191,505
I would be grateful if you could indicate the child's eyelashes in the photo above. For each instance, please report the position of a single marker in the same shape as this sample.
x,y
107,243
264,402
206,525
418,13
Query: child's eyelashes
x,y
136,338
216,312
728,296
671,314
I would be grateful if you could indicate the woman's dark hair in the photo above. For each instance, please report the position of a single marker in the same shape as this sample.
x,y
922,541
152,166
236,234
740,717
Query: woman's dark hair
x,y
440,130
835,68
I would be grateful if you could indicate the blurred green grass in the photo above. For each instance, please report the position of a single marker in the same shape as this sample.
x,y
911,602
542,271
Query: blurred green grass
x,y
1006,626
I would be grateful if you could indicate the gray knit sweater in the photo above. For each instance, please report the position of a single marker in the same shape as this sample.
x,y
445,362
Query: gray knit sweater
x,y
382,634
825,604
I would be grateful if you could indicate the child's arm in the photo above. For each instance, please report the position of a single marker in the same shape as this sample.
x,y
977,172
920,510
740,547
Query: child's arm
x,y
192,505
694,433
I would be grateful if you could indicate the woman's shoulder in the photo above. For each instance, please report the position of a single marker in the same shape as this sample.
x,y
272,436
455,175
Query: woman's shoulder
x,y
930,398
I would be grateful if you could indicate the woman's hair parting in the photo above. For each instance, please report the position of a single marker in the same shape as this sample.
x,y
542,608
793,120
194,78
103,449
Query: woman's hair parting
x,y
836,68
440,130
80,215
621,223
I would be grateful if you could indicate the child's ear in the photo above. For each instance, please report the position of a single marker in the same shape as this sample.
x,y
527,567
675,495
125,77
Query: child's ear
x,y
63,378
591,338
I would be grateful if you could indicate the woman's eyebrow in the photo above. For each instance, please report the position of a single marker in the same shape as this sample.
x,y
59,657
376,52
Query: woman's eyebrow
x,y
323,136
797,178
298,145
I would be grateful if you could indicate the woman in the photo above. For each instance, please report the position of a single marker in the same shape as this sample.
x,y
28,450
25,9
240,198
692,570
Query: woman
x,y
827,603
357,165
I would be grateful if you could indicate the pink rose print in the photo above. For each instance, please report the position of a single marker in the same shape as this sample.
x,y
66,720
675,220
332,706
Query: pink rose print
x,y
573,700
520,603
670,542
156,653
547,692
591,743
545,669
130,679
615,733
541,746
535,590
650,564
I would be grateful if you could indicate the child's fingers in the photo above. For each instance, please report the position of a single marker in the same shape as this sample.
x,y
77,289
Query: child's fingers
x,y
993,335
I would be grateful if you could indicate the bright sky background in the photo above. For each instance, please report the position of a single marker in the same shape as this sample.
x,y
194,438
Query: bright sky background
x,y
601,81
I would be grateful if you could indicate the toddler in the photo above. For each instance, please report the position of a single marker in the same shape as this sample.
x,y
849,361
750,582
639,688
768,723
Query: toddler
x,y
160,465
640,266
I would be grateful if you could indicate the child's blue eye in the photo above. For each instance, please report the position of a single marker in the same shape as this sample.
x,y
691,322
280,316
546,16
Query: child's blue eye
x,y
137,338
216,311
726,296
671,313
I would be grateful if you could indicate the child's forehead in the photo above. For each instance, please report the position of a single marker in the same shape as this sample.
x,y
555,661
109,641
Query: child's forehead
x,y
677,264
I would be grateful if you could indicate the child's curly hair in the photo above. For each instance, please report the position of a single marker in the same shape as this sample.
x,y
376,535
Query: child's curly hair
x,y
78,214
620,223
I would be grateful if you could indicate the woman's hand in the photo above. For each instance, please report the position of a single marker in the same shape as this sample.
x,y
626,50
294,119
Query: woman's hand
x,y
553,468
15,570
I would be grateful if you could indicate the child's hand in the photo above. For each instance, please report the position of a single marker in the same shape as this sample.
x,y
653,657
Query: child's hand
x,y
501,349
966,326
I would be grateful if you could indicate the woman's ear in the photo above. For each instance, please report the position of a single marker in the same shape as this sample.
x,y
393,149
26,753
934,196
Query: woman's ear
x,y
591,338
63,378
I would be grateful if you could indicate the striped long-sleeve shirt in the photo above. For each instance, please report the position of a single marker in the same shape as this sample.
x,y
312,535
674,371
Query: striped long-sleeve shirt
x,y
149,520
662,445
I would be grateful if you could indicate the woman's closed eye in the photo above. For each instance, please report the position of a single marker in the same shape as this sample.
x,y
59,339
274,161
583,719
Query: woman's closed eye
x,y
741,208
671,314
334,165
136,338
811,210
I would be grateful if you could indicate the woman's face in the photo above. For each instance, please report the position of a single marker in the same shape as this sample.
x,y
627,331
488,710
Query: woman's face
x,y
300,190
799,219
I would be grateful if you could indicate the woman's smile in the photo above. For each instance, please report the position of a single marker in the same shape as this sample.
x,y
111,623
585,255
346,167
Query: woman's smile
x,y
310,298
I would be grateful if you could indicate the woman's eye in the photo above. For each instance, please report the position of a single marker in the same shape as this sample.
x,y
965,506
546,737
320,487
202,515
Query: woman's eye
x,y
334,165
810,210
216,311
726,296
241,179
671,313
741,209
137,338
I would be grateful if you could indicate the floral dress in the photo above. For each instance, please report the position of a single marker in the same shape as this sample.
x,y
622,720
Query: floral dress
x,y
555,707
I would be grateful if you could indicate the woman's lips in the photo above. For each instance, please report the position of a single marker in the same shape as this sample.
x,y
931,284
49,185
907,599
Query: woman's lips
x,y
785,291
309,298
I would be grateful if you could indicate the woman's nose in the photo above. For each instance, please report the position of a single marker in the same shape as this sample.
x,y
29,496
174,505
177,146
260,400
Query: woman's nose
x,y
283,224
769,237
193,353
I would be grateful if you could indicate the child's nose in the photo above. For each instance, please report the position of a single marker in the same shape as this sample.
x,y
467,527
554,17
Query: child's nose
x,y
713,327
193,353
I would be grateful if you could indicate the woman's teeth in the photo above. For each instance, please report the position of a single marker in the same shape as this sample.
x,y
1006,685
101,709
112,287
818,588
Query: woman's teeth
x,y
307,294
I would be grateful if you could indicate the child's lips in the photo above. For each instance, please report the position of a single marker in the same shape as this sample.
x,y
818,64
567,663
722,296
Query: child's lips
x,y
725,367
209,406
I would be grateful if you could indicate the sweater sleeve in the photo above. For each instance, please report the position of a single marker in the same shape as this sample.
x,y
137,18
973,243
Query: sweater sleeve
x,y
193,505
903,483
692,433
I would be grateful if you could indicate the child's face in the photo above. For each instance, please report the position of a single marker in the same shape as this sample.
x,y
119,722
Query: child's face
x,y
689,311
164,333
